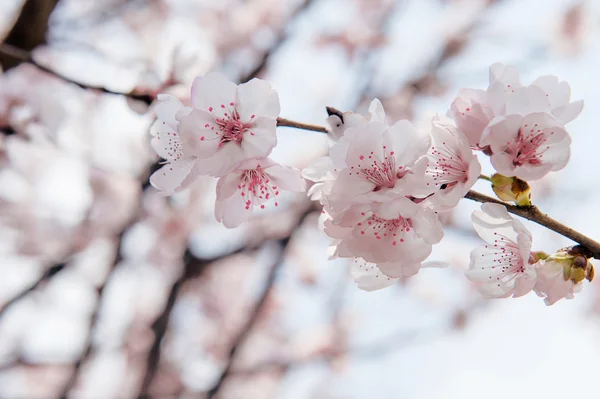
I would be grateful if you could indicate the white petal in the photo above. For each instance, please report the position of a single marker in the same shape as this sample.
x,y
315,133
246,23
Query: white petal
x,y
170,177
167,108
527,100
227,185
231,211
376,111
259,140
407,142
368,142
200,139
213,93
368,277
257,98
500,131
567,113
428,227
505,74
286,178
228,157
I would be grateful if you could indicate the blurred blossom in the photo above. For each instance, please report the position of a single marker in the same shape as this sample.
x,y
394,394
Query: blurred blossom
x,y
110,289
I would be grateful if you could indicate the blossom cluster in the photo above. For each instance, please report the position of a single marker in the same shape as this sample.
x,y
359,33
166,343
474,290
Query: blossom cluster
x,y
228,133
383,184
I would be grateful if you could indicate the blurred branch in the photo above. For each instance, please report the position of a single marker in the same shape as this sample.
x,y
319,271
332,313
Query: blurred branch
x,y
282,36
193,267
24,56
45,277
29,30
253,317
385,346
93,322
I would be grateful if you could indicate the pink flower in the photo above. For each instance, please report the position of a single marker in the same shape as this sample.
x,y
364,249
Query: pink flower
x,y
559,96
180,169
502,267
380,163
368,276
340,122
528,142
453,168
397,235
473,109
503,77
551,283
255,183
229,123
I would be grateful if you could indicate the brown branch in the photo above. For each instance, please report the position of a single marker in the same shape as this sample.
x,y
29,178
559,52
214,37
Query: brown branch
x,y
534,214
30,29
299,125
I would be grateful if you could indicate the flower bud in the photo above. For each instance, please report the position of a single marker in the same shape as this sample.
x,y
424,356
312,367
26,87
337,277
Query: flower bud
x,y
576,267
511,189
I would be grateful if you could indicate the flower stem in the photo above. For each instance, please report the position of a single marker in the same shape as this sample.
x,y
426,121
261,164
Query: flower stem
x,y
484,177
299,125
534,214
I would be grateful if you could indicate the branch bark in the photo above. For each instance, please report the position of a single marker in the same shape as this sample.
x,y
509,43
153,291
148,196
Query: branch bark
x,y
534,214
29,30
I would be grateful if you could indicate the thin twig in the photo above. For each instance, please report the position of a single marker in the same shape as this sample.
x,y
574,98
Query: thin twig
x,y
534,214
485,177
299,125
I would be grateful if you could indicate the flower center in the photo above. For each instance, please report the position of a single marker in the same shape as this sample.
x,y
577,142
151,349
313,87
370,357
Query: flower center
x,y
525,149
256,188
382,173
449,168
229,126
389,229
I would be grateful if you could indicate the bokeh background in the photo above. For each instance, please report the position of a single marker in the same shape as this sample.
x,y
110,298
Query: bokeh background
x,y
108,290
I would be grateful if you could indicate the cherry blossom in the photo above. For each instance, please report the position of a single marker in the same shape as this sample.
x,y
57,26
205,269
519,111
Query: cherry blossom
x,y
528,142
453,168
473,109
368,276
340,122
503,77
397,235
255,183
551,283
472,112
503,267
559,97
181,168
230,124
380,163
